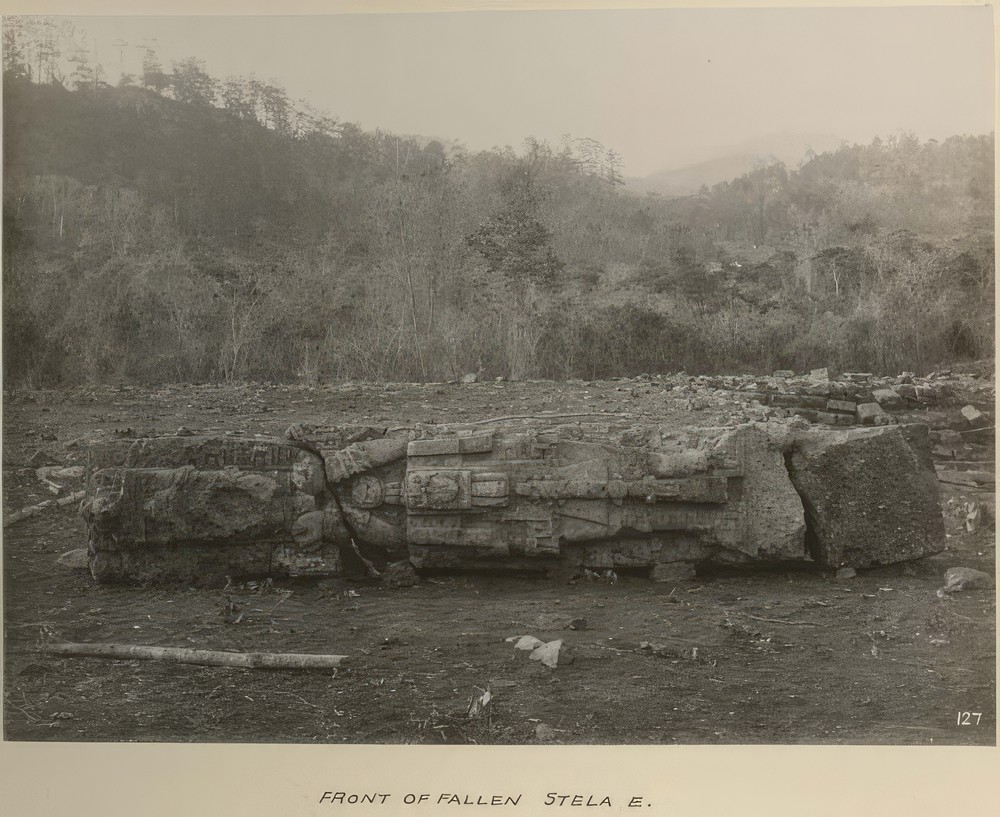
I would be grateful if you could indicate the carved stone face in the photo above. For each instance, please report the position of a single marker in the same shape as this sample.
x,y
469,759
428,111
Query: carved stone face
x,y
368,492
438,489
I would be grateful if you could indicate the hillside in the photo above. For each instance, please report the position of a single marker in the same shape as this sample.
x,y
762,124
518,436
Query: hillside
x,y
713,166
164,234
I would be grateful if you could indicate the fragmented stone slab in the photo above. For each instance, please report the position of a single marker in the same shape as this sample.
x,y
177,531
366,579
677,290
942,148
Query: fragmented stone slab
x,y
176,508
841,405
522,496
870,413
975,417
870,495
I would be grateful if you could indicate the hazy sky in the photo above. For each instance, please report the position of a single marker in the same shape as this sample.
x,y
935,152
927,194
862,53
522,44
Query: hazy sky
x,y
659,86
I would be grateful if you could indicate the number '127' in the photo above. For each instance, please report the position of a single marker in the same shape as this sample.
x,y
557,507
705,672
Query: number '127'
x,y
965,718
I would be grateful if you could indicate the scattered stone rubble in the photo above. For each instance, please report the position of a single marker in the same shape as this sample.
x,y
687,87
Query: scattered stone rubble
x,y
529,495
852,398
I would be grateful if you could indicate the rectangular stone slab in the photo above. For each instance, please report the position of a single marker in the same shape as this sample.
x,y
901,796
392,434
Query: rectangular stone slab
x,y
870,495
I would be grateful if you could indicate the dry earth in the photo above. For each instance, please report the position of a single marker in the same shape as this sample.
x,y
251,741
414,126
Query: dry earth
x,y
760,657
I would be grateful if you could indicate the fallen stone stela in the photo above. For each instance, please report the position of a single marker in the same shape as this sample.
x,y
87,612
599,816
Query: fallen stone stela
x,y
525,497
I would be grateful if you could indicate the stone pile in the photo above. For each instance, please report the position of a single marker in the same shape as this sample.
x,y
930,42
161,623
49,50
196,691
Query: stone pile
x,y
852,398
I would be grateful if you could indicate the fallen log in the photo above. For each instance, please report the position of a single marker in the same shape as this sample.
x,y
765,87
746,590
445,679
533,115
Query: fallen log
x,y
207,658
31,510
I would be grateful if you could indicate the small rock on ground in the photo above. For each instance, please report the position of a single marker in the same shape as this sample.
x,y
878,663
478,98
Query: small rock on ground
x,y
400,574
957,579
552,654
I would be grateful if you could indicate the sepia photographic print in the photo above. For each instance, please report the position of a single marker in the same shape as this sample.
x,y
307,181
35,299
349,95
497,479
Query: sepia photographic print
x,y
493,376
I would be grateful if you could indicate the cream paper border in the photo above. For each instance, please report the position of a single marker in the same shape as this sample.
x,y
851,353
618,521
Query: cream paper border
x,y
148,780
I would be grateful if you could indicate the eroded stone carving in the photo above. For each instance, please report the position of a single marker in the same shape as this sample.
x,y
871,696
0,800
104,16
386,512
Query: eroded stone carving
x,y
526,496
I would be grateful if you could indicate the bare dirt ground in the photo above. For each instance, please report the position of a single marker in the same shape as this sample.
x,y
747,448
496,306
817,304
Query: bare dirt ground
x,y
761,657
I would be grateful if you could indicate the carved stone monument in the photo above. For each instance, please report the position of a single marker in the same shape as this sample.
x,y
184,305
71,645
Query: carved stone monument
x,y
527,496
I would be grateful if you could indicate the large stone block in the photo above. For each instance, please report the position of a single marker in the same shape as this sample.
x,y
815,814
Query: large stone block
x,y
184,507
870,495
523,496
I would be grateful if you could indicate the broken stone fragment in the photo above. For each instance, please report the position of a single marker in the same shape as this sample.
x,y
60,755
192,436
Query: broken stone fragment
x,y
841,405
552,653
314,528
363,456
826,373
773,525
525,642
888,398
784,373
957,579
870,495
400,574
974,417
870,413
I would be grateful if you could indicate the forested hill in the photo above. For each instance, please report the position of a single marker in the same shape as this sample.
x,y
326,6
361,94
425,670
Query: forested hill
x,y
231,237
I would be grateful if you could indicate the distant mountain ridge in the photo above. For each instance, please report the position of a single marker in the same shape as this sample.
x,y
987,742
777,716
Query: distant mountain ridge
x,y
727,163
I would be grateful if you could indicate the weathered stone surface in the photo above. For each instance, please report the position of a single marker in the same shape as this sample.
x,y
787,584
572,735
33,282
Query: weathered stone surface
x,y
770,524
974,417
784,373
870,495
400,574
526,642
887,398
869,413
523,496
841,405
180,508
131,507
957,579
211,566
552,653
363,456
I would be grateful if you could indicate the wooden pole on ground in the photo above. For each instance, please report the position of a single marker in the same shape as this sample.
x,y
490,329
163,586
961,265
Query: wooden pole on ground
x,y
207,658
